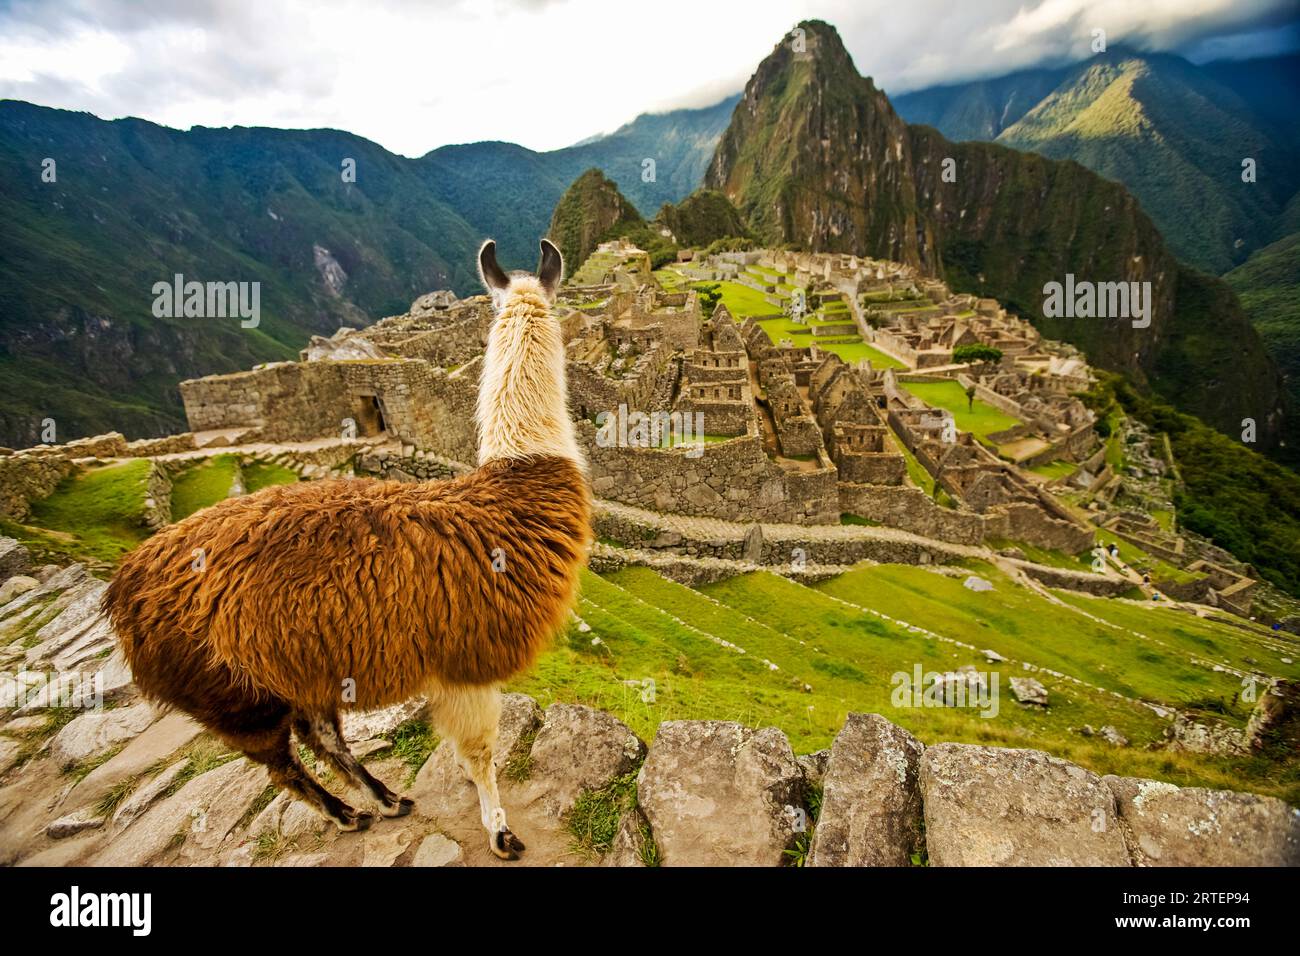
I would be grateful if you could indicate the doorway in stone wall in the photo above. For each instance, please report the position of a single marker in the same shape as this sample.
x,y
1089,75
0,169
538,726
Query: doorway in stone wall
x,y
368,412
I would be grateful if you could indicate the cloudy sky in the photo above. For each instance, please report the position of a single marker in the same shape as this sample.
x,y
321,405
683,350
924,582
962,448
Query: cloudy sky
x,y
415,75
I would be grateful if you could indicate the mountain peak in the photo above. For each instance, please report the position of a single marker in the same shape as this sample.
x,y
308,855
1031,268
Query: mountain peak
x,y
588,212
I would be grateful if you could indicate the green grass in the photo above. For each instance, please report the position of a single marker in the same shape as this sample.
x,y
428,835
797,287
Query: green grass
x,y
1051,558
202,485
518,765
202,754
81,770
981,419
100,509
831,658
413,742
676,439
1019,624
1055,469
852,519
1228,644
594,817
264,474
855,351
742,301
785,327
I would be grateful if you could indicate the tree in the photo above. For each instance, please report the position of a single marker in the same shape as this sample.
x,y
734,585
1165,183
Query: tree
x,y
709,296
968,354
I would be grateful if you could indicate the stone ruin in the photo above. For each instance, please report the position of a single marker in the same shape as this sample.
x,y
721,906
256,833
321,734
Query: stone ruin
x,y
788,433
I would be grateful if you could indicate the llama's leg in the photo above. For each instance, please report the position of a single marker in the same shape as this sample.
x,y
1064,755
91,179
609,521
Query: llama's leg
x,y
287,771
324,735
468,716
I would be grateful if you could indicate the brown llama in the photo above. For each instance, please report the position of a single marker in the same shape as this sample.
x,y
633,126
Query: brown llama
x,y
361,593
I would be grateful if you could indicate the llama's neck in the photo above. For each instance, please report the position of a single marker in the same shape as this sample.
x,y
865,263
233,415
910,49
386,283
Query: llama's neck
x,y
522,397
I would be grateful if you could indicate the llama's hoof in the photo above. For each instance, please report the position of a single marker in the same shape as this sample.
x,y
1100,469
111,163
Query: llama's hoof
x,y
356,821
506,845
401,808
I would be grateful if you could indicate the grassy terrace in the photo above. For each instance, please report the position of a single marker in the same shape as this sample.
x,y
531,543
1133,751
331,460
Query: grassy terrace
x,y
1054,559
855,351
982,420
742,301
1055,469
97,513
851,349
763,650
263,474
202,485
669,278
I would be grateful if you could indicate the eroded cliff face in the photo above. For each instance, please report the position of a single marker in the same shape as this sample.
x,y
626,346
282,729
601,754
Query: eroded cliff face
x,y
816,156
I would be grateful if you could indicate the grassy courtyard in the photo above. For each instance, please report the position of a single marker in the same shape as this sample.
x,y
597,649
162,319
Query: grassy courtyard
x,y
980,419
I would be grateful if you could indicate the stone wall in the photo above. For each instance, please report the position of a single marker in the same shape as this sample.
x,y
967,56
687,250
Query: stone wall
x,y
773,547
167,445
1027,522
419,402
27,477
1073,447
733,480
158,498
911,509
1095,584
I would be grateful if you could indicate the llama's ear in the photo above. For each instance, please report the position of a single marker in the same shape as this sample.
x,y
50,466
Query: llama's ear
x,y
550,270
493,276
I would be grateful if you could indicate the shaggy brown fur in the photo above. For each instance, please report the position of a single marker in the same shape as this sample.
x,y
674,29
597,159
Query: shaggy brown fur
x,y
354,593
405,571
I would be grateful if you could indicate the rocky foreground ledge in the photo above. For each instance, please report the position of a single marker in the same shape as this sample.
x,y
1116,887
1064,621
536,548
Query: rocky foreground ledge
x,y
126,785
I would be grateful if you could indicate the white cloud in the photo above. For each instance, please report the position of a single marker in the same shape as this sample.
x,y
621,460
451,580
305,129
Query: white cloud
x,y
543,73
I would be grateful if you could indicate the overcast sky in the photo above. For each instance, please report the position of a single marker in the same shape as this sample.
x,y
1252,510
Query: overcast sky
x,y
415,75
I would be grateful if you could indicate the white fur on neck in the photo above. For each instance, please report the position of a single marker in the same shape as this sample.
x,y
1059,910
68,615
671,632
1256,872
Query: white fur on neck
x,y
522,396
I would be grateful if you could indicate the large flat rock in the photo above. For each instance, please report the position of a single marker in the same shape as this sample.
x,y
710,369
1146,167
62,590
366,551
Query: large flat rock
x,y
158,742
198,816
92,734
871,800
989,806
577,749
1190,826
719,794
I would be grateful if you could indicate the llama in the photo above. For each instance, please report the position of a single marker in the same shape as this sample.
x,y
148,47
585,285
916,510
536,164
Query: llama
x,y
364,593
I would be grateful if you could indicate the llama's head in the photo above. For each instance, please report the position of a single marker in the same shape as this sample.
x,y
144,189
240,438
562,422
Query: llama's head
x,y
523,399
501,284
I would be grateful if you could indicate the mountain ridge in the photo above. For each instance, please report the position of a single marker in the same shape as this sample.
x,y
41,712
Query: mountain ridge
x,y
816,156
1174,133
244,204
